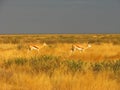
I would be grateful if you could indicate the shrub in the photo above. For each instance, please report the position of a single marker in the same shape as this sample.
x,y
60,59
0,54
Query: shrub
x,y
74,66
20,61
116,67
97,67
46,64
14,61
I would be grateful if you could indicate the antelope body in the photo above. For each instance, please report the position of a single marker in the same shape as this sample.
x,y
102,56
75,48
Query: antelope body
x,y
79,47
36,47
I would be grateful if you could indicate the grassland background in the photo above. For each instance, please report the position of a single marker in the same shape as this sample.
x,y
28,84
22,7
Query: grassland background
x,y
61,38
54,67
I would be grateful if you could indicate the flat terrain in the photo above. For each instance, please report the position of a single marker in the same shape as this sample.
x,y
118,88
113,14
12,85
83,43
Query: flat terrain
x,y
55,67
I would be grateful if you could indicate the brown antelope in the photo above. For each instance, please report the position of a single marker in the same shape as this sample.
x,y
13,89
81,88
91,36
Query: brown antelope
x,y
36,47
79,47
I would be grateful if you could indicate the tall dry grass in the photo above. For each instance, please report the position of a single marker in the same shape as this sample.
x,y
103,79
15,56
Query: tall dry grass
x,y
22,69
59,81
95,53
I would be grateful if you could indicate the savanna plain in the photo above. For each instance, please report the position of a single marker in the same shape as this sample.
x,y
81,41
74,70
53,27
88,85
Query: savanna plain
x,y
55,67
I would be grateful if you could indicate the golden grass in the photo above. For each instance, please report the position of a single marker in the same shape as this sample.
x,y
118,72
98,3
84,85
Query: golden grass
x,y
95,53
89,81
14,78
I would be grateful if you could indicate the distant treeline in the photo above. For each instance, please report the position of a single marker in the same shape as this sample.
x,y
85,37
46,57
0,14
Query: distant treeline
x,y
61,38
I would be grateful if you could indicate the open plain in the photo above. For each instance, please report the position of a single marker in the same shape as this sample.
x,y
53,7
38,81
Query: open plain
x,y
49,62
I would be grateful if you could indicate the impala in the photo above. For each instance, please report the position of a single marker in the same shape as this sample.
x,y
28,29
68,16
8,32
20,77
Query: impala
x,y
36,47
79,47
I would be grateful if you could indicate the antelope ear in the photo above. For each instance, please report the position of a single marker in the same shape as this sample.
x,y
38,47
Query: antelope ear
x,y
44,44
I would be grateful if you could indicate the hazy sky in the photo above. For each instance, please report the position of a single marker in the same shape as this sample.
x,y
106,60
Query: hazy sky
x,y
59,16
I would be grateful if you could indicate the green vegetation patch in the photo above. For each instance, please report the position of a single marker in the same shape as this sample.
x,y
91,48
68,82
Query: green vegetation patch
x,y
48,64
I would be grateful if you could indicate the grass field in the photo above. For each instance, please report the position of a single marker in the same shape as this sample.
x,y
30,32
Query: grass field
x,y
54,67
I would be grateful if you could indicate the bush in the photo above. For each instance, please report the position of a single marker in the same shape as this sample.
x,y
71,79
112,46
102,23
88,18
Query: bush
x,y
116,67
74,66
20,61
14,61
97,67
46,64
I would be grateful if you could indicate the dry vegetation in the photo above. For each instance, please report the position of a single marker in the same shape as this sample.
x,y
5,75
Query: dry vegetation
x,y
55,67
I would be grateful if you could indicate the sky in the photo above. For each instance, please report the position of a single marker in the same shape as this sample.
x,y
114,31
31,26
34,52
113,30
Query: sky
x,y
59,16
